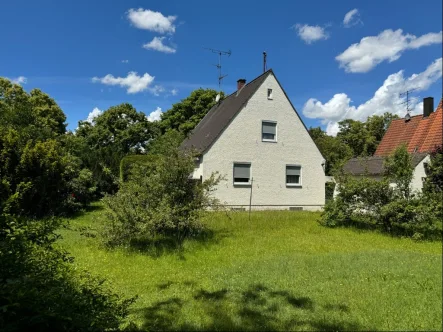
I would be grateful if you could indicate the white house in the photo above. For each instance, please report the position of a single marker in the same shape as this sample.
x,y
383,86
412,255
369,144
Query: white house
x,y
256,139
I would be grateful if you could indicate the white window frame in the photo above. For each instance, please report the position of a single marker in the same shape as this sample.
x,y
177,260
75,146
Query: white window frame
x,y
269,95
250,173
299,184
276,131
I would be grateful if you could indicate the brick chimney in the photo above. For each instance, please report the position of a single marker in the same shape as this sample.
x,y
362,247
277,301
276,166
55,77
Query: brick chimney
x,y
428,106
240,83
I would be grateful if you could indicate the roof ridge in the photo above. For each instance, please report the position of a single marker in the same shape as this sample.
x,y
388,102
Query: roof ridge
x,y
266,72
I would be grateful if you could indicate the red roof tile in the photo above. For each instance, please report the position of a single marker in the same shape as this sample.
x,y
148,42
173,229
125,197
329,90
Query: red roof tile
x,y
419,134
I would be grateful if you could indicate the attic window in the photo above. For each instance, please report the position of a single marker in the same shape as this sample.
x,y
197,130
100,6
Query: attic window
x,y
269,93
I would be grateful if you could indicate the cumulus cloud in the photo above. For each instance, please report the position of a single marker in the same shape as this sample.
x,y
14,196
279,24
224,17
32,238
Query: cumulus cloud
x,y
93,114
174,92
155,115
352,18
19,80
311,33
388,46
132,82
385,99
157,45
153,21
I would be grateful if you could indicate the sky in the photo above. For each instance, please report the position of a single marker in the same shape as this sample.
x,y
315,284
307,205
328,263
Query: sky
x,y
335,59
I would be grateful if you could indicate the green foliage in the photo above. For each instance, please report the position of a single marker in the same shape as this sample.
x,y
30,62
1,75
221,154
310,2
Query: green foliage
x,y
41,290
115,133
128,163
159,199
399,170
434,172
186,114
386,204
48,113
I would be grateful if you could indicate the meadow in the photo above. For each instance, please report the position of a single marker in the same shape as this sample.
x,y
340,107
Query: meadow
x,y
277,271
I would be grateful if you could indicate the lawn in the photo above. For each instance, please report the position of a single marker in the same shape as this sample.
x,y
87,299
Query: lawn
x,y
278,271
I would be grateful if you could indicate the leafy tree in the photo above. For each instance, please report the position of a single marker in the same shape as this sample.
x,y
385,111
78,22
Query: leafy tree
x,y
378,124
357,137
186,114
398,169
117,132
332,148
48,113
434,172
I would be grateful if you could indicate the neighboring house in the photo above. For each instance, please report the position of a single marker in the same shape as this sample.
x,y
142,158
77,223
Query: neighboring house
x,y
256,139
420,133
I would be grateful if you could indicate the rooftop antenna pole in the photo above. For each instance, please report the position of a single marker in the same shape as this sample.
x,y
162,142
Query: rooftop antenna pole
x,y
407,102
219,66
264,61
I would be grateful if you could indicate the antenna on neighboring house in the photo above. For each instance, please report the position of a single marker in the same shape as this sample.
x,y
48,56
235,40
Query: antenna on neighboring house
x,y
264,61
219,66
407,102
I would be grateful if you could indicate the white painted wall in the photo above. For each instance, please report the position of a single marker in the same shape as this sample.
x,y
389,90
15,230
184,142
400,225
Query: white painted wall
x,y
419,173
241,142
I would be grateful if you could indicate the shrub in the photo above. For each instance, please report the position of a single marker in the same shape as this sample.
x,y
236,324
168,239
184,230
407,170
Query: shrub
x,y
159,199
40,290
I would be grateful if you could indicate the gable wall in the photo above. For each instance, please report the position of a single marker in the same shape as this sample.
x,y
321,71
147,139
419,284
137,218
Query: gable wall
x,y
241,141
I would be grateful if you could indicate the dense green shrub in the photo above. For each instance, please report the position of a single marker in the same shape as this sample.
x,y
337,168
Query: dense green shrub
x,y
386,204
40,290
159,199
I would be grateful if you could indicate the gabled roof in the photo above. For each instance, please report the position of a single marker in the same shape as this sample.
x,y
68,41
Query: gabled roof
x,y
420,134
220,115
374,165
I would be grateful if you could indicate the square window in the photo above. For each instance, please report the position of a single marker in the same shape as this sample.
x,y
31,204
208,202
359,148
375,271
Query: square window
x,y
269,93
242,173
293,175
269,131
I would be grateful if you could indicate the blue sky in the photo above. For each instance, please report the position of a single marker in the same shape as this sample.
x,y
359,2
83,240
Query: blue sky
x,y
61,46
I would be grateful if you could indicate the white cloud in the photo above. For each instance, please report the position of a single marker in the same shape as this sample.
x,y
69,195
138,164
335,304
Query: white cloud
x,y
155,115
174,92
133,82
157,45
153,21
156,90
19,80
352,18
311,33
93,114
385,99
125,61
387,46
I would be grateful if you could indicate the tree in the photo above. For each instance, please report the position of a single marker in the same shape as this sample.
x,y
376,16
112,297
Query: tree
x,y
186,114
357,137
434,172
398,169
333,149
378,124
48,113
117,132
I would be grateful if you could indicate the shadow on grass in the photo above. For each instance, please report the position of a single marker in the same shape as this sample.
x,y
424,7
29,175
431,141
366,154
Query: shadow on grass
x,y
163,245
258,308
86,210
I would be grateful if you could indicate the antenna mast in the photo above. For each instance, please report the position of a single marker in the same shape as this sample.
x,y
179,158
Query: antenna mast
x,y
219,66
264,61
407,102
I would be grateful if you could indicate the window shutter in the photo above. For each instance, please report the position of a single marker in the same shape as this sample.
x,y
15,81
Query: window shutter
x,y
293,170
242,170
269,128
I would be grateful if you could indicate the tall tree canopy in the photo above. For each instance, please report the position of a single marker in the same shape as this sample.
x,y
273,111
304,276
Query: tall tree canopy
x,y
186,114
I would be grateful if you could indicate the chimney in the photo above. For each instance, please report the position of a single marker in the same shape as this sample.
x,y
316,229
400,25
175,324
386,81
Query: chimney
x,y
240,83
428,106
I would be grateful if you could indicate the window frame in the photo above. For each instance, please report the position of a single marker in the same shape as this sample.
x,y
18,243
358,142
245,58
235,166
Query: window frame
x,y
276,131
233,175
299,184
270,95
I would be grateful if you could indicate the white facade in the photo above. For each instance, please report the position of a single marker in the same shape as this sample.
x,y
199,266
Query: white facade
x,y
242,142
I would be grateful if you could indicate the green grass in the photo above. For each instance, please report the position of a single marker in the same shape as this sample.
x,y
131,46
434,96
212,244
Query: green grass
x,y
279,271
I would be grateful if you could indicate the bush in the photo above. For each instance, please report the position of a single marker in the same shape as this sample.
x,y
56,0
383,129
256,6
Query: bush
x,y
40,290
376,204
159,199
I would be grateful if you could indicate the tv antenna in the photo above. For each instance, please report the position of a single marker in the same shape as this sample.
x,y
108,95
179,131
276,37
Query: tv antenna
x,y
407,101
219,66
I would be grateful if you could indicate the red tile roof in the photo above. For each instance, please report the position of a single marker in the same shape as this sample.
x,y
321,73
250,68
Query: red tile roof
x,y
419,134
